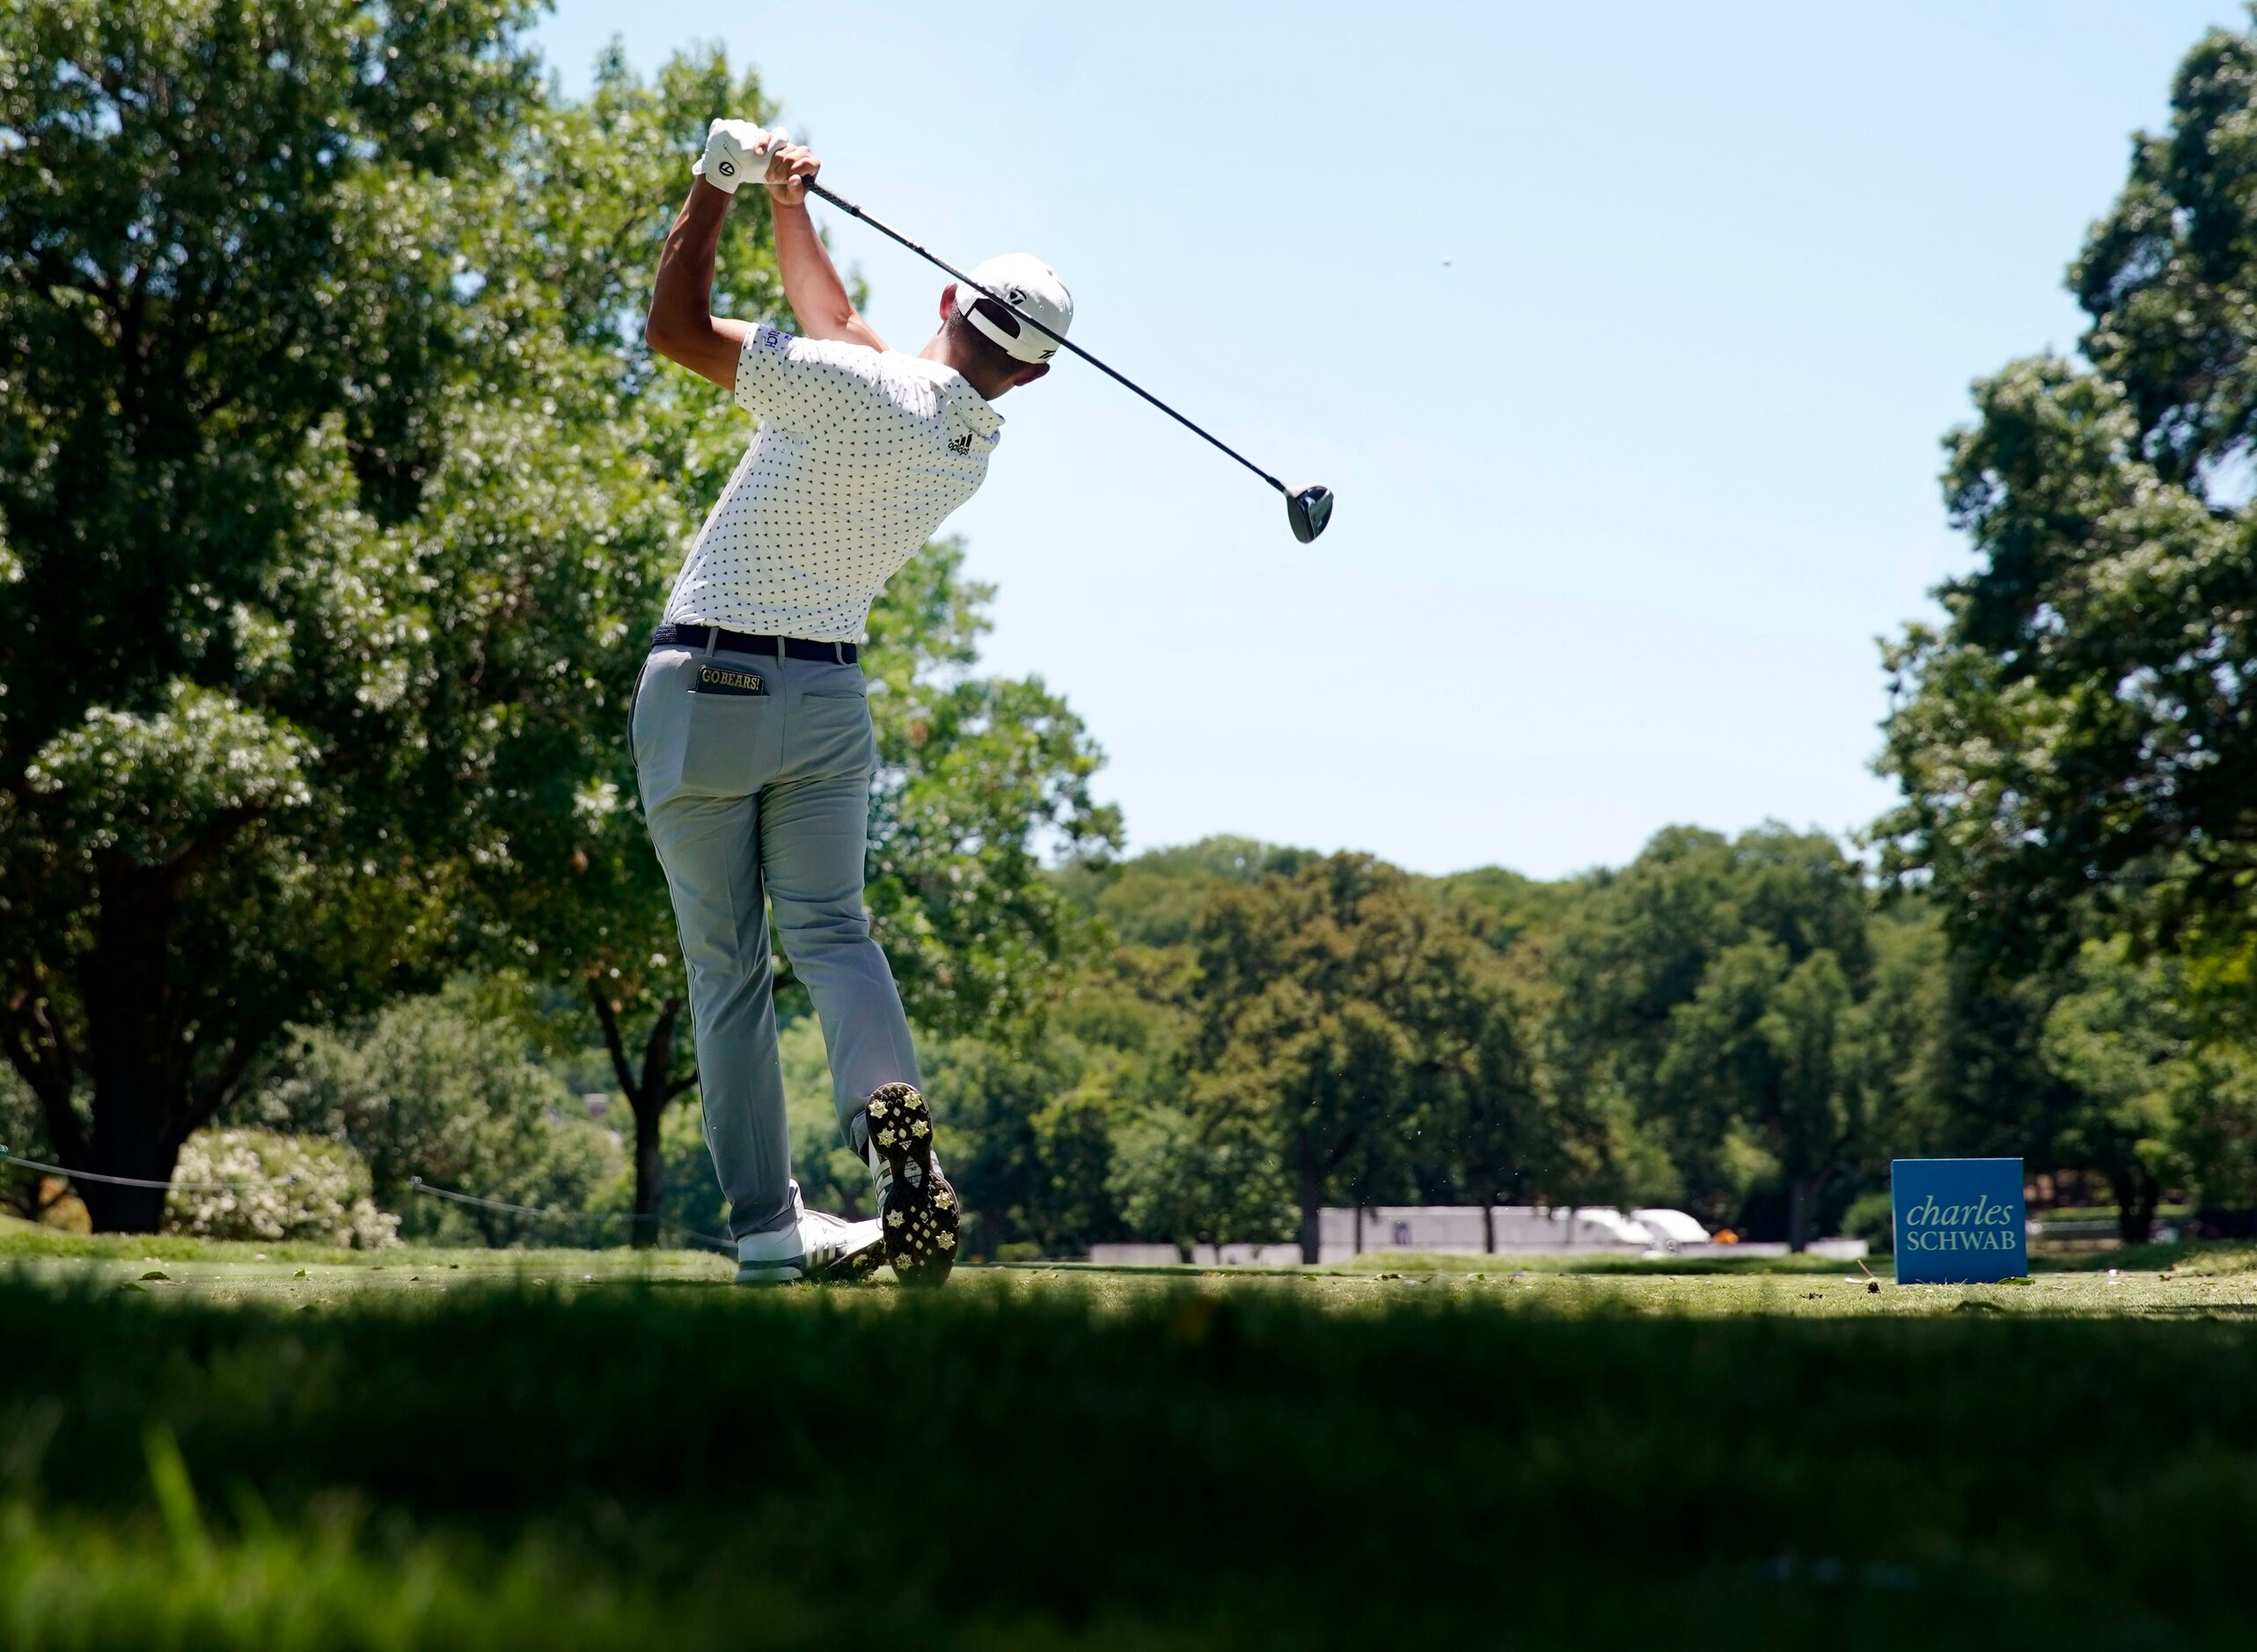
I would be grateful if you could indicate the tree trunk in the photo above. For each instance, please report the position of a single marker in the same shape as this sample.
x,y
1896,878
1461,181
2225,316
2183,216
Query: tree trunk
x,y
648,1092
2136,1196
648,1187
111,1209
146,1026
649,1100
1489,1230
1312,1207
1800,1193
138,1058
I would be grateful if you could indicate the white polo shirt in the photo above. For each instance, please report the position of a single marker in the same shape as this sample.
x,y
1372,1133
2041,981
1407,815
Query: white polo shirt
x,y
860,454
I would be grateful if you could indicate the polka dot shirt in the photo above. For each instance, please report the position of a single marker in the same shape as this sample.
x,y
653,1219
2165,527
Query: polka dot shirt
x,y
860,454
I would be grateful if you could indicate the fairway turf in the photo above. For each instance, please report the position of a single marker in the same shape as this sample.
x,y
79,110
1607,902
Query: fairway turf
x,y
594,1448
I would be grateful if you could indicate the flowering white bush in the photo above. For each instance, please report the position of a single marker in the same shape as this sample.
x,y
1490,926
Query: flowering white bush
x,y
327,1201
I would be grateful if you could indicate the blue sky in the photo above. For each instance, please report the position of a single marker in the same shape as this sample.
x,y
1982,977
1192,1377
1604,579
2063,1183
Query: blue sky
x,y
1625,334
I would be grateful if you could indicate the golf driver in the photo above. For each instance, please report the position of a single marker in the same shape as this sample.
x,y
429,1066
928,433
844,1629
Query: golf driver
x,y
1308,510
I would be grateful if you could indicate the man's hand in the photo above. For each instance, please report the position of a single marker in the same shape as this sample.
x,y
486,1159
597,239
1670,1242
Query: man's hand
x,y
681,326
790,166
734,151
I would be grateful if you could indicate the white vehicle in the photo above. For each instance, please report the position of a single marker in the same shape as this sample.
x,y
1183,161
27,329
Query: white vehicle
x,y
1602,1224
1673,1230
1505,1229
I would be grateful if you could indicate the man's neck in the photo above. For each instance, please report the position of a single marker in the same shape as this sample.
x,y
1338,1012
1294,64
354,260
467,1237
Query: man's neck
x,y
937,348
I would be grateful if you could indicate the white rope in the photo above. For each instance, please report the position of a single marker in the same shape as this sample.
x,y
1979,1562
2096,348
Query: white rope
x,y
8,1159
419,1184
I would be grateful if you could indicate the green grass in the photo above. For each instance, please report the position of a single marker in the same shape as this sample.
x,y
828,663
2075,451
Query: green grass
x,y
22,1239
592,1448
1539,1263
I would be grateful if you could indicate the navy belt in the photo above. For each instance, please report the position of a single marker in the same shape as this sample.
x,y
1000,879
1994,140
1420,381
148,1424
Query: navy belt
x,y
746,642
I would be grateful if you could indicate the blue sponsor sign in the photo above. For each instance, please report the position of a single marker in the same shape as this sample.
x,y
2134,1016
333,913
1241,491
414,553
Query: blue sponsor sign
x,y
1958,1221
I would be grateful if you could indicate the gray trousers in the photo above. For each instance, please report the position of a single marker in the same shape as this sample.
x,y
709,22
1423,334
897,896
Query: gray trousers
x,y
755,775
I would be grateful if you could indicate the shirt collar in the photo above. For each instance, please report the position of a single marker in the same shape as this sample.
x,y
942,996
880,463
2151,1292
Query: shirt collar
x,y
967,405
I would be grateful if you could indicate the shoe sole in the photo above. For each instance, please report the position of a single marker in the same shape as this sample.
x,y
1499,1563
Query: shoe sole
x,y
769,1273
921,1217
855,1265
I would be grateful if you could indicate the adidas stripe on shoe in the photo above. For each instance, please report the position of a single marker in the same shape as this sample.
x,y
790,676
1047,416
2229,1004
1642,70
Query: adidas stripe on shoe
x,y
817,1246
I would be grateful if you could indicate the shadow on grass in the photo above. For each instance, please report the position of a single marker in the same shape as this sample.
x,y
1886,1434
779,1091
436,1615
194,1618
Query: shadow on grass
x,y
995,1465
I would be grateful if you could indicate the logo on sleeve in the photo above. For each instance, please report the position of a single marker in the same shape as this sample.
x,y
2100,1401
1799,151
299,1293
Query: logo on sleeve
x,y
961,445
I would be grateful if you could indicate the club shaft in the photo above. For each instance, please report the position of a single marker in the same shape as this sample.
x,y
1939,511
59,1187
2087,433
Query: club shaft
x,y
1122,379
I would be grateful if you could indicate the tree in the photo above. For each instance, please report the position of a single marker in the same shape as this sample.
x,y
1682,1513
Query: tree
x,y
265,443
2076,743
1037,1124
1155,901
26,1194
2214,1124
2121,1045
430,1088
1194,1178
1764,1048
1898,1061
1665,972
979,778
322,323
1503,1136
1338,1011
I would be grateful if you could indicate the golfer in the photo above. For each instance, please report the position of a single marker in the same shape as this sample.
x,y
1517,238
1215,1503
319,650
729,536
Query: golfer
x,y
752,742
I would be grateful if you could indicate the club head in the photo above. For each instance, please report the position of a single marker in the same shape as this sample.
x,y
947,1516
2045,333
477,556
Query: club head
x,y
1308,511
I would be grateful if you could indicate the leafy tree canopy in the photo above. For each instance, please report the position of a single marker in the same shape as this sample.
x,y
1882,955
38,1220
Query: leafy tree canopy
x,y
336,492
2074,740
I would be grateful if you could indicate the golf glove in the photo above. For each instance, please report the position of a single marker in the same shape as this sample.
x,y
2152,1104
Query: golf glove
x,y
736,150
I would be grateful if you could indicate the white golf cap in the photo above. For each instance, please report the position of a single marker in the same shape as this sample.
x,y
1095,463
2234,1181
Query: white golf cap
x,y
1031,286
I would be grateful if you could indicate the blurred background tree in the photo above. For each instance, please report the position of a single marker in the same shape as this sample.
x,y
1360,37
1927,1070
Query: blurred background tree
x,y
1342,1015
2075,741
252,360
440,1088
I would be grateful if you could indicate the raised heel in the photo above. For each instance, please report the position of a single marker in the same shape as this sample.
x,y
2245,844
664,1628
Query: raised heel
x,y
920,1215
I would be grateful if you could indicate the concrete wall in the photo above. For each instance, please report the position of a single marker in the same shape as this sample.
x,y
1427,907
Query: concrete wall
x,y
1457,1230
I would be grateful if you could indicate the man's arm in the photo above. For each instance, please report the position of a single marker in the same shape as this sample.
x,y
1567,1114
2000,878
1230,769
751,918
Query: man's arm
x,y
812,283
682,326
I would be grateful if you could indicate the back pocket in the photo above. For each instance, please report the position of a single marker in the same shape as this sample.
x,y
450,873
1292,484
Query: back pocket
x,y
836,736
